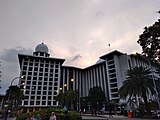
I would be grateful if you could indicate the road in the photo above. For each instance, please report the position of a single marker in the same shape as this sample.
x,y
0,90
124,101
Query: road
x,y
106,117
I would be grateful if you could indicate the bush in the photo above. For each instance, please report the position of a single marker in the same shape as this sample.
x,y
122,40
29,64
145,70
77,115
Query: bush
x,y
45,113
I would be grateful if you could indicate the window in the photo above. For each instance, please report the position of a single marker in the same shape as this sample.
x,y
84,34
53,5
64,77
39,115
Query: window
x,y
34,83
25,102
50,88
29,73
49,93
50,83
30,68
46,69
44,92
46,74
49,102
33,92
27,92
27,87
38,92
38,97
43,102
40,74
39,83
56,79
55,84
24,68
56,70
28,82
54,102
25,63
45,83
49,97
36,64
41,69
32,97
43,97
31,102
44,88
39,87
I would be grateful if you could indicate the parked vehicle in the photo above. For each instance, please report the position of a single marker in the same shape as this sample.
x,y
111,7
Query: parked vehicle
x,y
156,114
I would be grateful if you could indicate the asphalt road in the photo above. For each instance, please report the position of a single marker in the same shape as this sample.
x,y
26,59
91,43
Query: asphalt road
x,y
106,117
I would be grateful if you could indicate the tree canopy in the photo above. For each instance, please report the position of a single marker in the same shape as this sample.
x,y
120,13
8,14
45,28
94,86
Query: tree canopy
x,y
96,95
14,95
68,97
149,40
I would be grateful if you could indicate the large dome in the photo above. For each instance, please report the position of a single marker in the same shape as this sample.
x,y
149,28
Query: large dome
x,y
41,48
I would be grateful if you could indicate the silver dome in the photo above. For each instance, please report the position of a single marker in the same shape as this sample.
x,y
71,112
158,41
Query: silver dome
x,y
41,48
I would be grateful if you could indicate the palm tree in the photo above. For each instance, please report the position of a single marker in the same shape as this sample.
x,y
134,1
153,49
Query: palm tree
x,y
138,83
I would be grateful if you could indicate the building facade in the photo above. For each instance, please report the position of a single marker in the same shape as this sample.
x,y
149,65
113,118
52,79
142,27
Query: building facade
x,y
45,76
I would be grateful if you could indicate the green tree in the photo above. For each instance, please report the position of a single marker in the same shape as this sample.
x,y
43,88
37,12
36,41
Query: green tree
x,y
71,97
14,96
149,40
96,96
68,98
138,83
60,98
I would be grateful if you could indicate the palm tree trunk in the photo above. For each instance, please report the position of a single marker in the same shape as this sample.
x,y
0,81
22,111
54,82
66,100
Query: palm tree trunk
x,y
145,101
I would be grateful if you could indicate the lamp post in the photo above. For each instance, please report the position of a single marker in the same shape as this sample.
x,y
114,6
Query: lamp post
x,y
72,80
9,94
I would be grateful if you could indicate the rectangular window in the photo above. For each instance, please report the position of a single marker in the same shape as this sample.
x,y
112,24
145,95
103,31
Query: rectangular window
x,y
49,97
31,102
54,102
25,102
38,97
49,102
43,102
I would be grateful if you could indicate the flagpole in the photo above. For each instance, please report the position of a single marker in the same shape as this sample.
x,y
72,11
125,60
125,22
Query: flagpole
x,y
109,47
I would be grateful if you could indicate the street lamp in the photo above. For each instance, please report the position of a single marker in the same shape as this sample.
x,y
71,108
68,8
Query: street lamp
x,y
11,85
9,94
71,86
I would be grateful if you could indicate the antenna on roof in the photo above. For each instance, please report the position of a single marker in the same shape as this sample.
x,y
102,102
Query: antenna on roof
x,y
109,47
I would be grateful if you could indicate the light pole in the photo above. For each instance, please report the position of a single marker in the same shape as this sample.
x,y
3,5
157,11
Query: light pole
x,y
72,80
9,94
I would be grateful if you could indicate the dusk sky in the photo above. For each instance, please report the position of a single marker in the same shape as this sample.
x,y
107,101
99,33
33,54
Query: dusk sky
x,y
76,30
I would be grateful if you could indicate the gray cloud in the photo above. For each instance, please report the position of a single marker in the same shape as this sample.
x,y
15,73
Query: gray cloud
x,y
76,57
76,30
10,55
10,65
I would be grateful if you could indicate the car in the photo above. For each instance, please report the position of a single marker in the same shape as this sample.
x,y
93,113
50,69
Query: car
x,y
156,114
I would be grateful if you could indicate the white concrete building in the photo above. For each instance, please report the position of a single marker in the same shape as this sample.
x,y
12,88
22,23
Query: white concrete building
x,y
46,76
42,78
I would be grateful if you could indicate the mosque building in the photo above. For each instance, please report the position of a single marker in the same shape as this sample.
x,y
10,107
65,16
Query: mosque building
x,y
46,76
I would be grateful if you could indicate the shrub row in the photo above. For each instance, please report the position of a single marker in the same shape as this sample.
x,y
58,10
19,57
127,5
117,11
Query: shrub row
x,y
46,113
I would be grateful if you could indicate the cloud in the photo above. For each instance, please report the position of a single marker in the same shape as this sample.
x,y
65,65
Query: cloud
x,y
10,67
76,57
